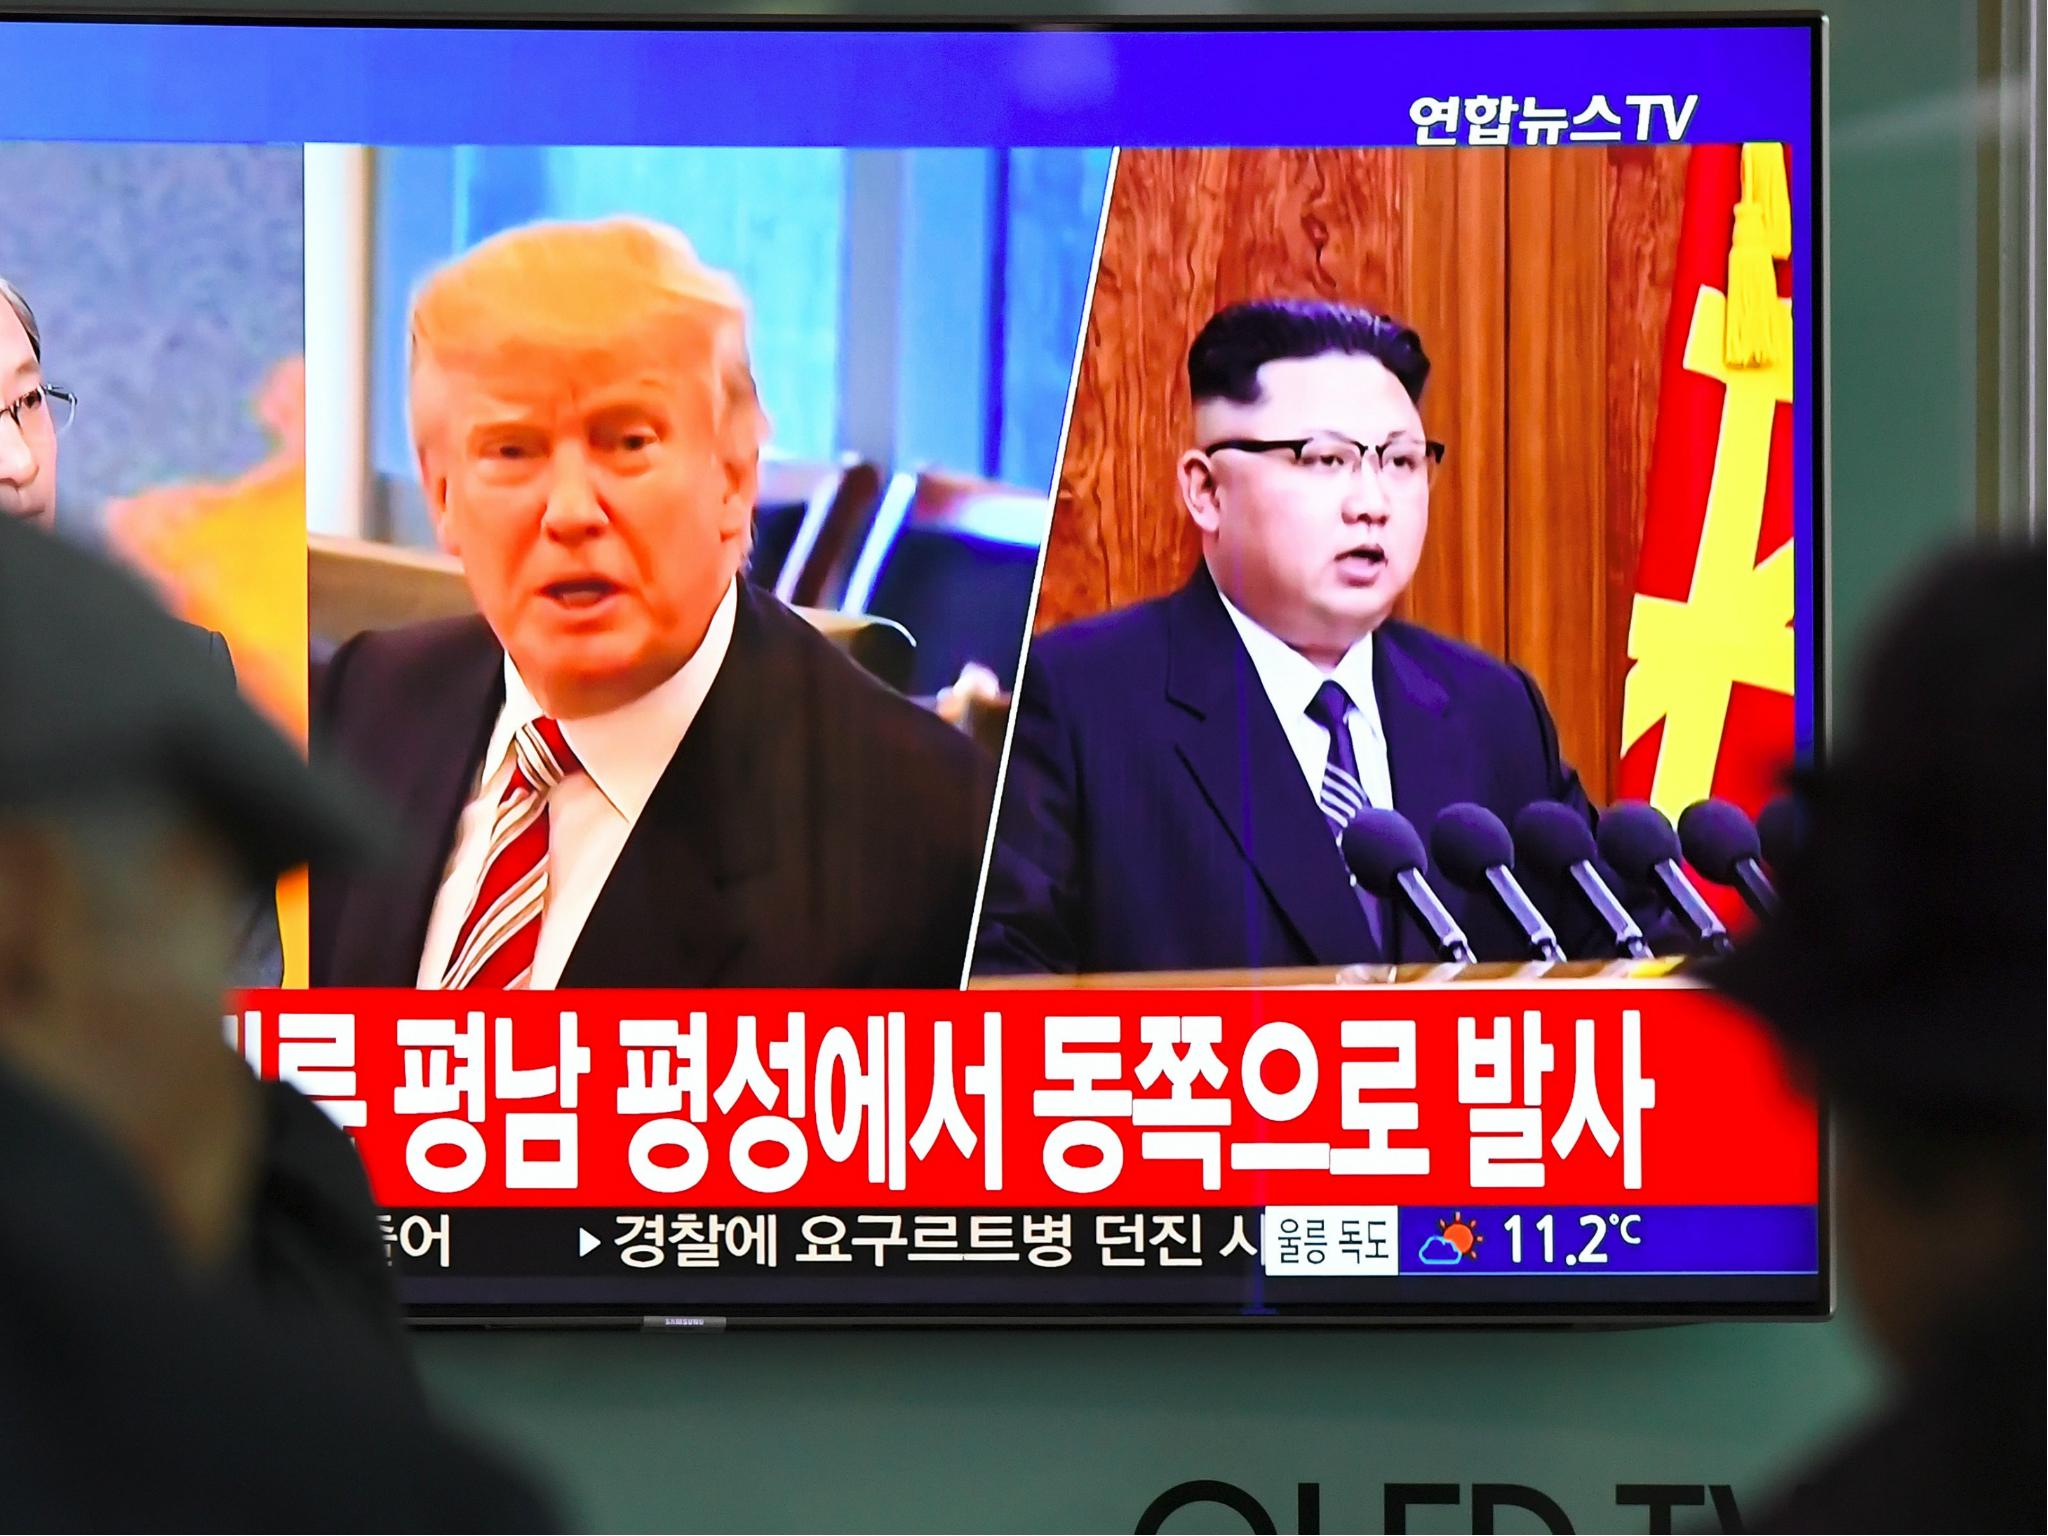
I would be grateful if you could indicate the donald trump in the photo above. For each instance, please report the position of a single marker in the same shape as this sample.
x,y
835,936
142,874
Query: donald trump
x,y
630,768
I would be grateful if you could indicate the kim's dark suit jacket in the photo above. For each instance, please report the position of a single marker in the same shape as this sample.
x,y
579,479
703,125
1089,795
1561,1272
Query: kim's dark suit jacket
x,y
1155,818
814,829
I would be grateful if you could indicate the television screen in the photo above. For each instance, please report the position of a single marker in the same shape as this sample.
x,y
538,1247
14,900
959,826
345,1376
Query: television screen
x,y
1102,674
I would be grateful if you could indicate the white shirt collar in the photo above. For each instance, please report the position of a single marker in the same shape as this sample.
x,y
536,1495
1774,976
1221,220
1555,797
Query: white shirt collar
x,y
1291,679
626,750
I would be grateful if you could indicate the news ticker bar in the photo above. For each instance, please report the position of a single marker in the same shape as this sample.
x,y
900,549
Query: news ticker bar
x,y
1416,1098
1272,1242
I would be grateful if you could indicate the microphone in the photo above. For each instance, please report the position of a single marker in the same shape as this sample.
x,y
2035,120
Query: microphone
x,y
1556,840
1720,843
1385,854
1782,828
1472,846
1637,840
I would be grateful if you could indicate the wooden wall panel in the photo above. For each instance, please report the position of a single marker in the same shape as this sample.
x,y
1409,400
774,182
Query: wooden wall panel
x,y
1592,238
1456,257
1557,430
1117,522
1645,199
1190,231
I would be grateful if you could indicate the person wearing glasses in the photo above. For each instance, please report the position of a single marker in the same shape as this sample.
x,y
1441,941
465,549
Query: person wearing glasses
x,y
33,412
1180,770
313,1244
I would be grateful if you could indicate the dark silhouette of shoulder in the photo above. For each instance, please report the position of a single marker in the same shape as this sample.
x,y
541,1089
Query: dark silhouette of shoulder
x,y
140,1397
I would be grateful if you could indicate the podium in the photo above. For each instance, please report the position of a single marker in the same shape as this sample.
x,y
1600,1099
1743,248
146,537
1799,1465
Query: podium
x,y
1488,973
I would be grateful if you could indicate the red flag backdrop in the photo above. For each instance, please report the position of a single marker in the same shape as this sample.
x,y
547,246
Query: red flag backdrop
x,y
1707,701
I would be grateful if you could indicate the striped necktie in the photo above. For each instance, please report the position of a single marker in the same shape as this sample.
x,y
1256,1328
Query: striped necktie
x,y
494,947
1342,793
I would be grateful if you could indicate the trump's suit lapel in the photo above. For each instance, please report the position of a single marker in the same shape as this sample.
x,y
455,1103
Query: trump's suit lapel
x,y
666,914
1226,732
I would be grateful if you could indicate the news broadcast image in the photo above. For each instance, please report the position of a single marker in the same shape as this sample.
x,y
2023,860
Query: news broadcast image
x,y
1093,703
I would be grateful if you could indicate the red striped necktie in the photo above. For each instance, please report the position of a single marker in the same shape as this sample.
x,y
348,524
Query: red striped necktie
x,y
494,947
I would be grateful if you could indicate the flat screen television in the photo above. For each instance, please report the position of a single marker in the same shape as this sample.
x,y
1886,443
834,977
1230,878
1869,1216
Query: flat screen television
x,y
834,543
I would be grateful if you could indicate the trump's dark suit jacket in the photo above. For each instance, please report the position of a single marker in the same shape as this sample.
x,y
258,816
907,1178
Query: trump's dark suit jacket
x,y
1154,816
814,829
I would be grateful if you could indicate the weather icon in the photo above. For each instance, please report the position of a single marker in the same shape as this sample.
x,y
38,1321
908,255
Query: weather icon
x,y
1453,1241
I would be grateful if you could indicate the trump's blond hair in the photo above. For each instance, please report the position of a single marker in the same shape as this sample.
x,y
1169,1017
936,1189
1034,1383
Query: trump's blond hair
x,y
555,291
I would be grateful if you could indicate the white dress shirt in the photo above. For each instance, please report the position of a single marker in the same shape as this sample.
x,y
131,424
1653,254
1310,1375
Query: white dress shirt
x,y
623,752
1291,681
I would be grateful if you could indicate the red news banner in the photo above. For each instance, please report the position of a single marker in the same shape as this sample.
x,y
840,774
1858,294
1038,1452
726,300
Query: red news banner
x,y
1410,1095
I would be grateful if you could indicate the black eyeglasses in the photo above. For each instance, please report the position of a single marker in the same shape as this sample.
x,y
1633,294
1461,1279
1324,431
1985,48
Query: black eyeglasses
x,y
60,403
1402,463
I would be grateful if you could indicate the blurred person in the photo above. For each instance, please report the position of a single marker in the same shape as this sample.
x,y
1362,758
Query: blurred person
x,y
632,767
1180,770
1905,975
28,453
32,412
316,1244
148,1376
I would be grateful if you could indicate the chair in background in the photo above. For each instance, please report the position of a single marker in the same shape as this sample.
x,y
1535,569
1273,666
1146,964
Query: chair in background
x,y
357,584
353,585
977,704
808,526
953,559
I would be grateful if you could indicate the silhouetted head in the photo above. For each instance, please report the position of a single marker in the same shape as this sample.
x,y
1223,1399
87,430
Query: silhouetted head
x,y
1905,971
